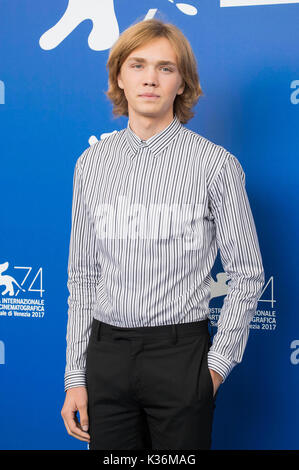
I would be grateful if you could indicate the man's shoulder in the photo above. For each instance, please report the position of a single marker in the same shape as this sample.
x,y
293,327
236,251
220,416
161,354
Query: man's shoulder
x,y
96,151
213,155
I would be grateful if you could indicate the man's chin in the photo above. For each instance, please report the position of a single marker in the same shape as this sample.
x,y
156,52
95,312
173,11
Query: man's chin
x,y
148,111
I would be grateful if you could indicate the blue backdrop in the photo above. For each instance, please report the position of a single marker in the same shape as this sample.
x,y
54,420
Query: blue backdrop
x,y
52,103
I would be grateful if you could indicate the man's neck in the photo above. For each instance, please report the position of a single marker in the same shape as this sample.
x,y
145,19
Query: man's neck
x,y
145,127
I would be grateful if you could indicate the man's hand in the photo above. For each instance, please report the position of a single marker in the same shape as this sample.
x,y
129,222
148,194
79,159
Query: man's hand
x,y
216,379
76,400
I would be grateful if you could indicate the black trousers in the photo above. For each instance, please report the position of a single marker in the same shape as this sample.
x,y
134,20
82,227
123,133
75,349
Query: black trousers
x,y
149,387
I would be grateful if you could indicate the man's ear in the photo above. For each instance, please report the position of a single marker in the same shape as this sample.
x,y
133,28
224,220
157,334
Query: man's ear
x,y
181,89
119,81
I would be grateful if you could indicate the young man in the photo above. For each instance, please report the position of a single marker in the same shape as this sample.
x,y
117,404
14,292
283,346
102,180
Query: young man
x,y
152,204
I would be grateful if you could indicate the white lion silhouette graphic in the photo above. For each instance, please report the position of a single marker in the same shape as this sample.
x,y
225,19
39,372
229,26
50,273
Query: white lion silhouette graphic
x,y
219,287
105,29
7,280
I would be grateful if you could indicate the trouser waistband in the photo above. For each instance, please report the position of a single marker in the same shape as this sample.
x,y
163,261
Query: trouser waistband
x,y
172,331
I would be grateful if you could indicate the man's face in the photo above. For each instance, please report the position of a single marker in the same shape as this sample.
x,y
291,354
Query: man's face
x,y
151,68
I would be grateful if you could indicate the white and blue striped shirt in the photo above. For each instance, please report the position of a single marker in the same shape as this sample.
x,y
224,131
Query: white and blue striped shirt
x,y
148,218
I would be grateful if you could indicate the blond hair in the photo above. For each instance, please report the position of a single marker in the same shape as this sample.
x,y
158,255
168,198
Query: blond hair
x,y
139,34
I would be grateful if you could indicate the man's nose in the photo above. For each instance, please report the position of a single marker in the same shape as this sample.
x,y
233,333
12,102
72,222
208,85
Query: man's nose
x,y
150,77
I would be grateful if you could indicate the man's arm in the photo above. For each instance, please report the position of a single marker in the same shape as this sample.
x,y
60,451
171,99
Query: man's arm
x,y
83,275
241,258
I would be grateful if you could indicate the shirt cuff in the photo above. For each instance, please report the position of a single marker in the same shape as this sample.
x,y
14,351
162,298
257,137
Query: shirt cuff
x,y
74,378
220,364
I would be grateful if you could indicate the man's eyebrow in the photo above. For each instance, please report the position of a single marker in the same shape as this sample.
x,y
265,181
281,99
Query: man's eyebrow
x,y
159,62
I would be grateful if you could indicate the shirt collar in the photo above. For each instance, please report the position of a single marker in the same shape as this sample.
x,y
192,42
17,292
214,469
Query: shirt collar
x,y
157,142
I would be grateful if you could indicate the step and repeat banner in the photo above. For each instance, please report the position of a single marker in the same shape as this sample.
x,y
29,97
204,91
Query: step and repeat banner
x,y
53,105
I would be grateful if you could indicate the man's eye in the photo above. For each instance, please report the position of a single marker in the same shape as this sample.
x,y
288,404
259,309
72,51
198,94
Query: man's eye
x,y
140,65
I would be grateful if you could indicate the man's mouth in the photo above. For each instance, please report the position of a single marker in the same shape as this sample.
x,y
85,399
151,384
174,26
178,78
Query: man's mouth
x,y
149,95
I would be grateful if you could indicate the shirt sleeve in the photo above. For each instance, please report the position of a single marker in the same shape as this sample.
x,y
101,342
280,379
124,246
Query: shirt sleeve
x,y
241,259
83,275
